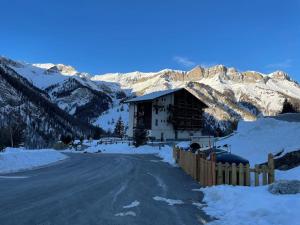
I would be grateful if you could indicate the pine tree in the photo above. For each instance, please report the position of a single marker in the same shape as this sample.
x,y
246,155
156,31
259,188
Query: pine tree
x,y
140,136
119,128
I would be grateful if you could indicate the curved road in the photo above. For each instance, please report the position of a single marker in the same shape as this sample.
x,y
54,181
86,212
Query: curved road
x,y
92,189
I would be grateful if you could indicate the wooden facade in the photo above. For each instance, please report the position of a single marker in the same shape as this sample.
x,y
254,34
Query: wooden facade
x,y
143,115
187,111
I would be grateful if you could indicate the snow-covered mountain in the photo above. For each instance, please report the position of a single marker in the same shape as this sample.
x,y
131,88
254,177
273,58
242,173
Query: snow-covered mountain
x,y
232,95
29,109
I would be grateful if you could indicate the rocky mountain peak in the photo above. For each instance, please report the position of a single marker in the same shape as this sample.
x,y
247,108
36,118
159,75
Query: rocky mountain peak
x,y
63,69
219,70
280,75
252,77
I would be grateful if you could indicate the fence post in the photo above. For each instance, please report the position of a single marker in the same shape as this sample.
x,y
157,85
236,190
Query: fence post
x,y
271,167
194,166
198,167
256,175
226,173
264,173
241,174
220,173
247,175
233,174
213,168
175,154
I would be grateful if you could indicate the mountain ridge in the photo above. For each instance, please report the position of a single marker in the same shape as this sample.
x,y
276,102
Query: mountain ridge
x,y
234,95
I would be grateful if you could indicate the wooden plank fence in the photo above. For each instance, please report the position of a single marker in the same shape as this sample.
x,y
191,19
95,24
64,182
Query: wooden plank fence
x,y
207,172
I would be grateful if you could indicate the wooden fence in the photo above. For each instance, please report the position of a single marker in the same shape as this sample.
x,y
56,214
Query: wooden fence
x,y
207,172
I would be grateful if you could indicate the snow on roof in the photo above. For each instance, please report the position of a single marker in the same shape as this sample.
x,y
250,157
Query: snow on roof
x,y
154,95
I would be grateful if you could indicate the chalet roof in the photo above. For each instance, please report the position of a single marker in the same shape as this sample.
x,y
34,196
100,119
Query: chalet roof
x,y
153,95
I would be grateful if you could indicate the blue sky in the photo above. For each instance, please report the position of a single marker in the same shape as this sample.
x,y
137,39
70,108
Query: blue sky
x,y
149,35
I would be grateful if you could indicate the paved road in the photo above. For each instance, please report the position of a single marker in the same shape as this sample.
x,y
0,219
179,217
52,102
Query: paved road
x,y
93,188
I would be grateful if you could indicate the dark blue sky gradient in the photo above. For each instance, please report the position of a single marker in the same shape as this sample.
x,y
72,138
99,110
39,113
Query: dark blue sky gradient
x,y
149,35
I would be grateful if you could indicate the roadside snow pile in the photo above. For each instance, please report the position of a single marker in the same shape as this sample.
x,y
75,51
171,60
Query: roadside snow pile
x,y
285,187
254,140
250,205
165,152
15,159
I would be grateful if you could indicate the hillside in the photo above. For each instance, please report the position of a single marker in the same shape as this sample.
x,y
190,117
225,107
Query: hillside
x,y
27,108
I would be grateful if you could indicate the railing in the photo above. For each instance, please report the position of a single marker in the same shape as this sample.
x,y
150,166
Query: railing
x,y
207,172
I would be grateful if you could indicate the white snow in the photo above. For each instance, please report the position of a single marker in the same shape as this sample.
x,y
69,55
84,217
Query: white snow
x,y
38,77
169,201
292,174
16,159
154,95
165,152
129,213
250,205
109,118
254,140
132,205
198,204
183,144
13,177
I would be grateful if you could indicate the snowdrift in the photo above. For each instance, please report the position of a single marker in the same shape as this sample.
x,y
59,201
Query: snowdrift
x,y
16,159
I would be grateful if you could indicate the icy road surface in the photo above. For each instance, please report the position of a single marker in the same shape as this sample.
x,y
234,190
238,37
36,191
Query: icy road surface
x,y
91,189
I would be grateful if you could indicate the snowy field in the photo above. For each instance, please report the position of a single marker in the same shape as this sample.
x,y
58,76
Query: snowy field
x,y
16,159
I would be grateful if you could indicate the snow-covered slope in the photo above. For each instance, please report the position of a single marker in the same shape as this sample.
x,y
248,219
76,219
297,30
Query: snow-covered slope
x,y
108,119
28,108
254,140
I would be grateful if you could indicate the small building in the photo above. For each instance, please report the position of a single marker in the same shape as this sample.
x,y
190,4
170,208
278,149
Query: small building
x,y
174,114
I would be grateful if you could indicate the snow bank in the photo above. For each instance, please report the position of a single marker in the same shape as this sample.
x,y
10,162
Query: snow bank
x,y
165,152
15,159
254,140
250,205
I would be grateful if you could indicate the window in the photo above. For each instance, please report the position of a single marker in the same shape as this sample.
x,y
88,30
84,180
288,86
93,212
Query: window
x,y
156,122
156,110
